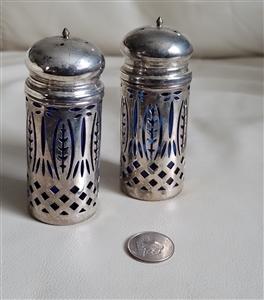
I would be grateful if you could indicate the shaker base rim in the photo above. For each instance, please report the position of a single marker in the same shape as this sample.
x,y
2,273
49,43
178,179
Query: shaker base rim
x,y
60,222
149,198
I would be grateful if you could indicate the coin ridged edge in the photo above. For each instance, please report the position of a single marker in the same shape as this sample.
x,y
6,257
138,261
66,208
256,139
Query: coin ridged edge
x,y
141,259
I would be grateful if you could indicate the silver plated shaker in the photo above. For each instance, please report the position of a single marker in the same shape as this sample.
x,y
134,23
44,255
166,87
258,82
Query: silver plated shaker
x,y
155,86
64,104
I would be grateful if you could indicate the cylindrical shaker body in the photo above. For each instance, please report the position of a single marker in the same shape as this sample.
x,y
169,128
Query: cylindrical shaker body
x,y
64,104
155,86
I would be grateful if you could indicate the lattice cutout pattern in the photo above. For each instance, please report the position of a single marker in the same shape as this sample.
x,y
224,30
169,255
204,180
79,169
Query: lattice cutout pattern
x,y
154,178
153,139
63,147
64,203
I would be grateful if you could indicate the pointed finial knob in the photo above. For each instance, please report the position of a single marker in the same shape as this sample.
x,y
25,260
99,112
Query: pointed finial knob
x,y
65,33
159,22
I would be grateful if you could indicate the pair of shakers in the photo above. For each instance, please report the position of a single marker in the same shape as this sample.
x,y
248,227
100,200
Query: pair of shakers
x,y
64,107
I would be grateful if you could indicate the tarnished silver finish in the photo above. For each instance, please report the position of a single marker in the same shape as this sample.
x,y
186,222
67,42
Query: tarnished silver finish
x,y
64,104
155,85
150,246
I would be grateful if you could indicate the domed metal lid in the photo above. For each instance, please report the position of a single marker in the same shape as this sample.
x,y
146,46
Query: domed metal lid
x,y
156,42
64,56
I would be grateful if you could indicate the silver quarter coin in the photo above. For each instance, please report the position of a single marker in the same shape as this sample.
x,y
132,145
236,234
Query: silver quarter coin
x,y
150,246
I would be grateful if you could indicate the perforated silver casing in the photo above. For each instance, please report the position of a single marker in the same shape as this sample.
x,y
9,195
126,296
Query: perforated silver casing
x,y
64,105
155,87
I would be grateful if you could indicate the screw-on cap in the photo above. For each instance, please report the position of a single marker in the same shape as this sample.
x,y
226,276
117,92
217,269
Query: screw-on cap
x,y
156,42
63,57
156,56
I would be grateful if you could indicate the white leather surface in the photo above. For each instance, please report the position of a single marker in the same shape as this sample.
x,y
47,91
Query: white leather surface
x,y
215,223
216,28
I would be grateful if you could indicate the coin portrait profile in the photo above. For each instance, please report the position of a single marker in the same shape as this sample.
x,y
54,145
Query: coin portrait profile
x,y
150,246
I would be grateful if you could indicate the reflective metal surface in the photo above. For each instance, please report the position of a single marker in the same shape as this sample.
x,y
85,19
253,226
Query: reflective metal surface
x,y
64,105
155,87
156,42
64,58
150,246
156,56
